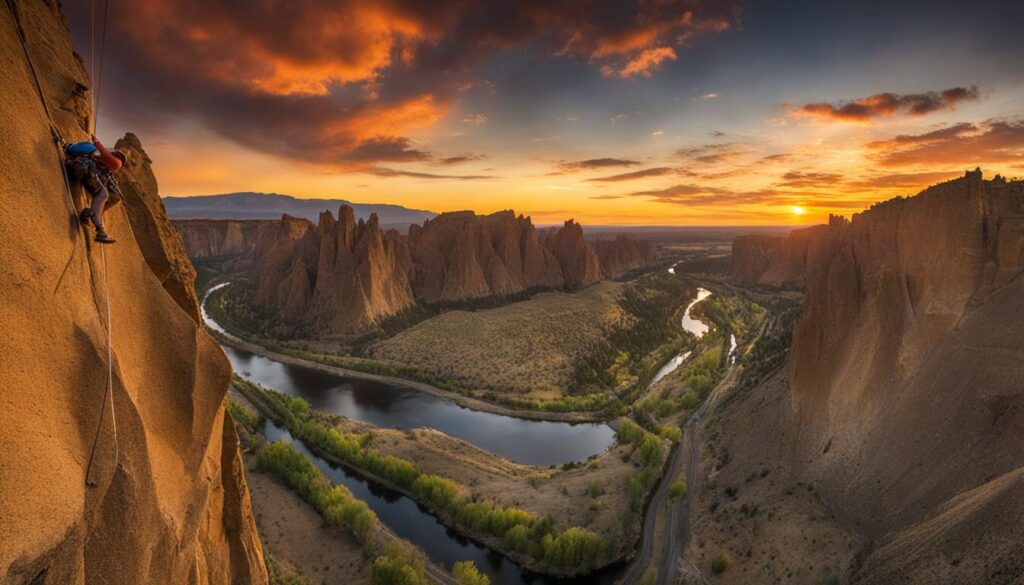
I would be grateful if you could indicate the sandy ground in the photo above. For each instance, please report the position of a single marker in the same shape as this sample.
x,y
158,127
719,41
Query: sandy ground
x,y
527,347
561,493
295,534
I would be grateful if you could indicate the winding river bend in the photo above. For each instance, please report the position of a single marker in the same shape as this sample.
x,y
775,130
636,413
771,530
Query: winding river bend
x,y
536,442
392,406
689,323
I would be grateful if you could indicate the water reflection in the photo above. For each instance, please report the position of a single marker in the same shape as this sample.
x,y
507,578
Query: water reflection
x,y
393,406
444,546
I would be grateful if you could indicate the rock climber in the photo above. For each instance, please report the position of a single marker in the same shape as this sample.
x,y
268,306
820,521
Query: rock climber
x,y
92,165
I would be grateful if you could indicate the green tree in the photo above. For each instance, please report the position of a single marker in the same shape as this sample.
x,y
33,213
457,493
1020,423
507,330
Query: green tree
x,y
466,573
678,489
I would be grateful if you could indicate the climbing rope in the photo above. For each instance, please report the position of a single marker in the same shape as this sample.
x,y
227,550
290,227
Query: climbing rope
x,y
97,65
58,142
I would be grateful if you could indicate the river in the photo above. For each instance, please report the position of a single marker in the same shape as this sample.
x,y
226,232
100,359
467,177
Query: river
x,y
386,405
442,545
689,323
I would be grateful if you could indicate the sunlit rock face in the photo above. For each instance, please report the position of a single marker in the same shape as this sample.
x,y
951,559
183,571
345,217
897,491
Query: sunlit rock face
x,y
169,502
341,277
907,368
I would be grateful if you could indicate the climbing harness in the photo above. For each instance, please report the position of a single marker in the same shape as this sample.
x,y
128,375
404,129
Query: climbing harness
x,y
58,143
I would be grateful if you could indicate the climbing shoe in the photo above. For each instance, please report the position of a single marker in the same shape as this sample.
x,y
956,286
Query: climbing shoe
x,y
86,216
102,237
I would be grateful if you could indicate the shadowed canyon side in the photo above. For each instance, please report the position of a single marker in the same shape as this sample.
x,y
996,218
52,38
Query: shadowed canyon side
x,y
170,502
774,259
904,402
340,277
914,312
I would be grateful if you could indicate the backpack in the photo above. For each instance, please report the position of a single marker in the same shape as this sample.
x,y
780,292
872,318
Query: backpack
x,y
80,149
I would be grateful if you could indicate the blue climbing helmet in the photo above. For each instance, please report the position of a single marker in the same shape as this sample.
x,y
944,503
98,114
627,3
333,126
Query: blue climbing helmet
x,y
80,149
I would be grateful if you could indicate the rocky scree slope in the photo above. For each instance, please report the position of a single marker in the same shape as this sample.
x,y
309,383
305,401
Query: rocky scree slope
x,y
170,503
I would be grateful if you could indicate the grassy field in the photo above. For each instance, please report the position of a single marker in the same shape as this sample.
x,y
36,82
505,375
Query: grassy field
x,y
530,347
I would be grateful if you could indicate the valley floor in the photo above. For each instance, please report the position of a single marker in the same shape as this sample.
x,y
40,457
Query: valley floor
x,y
296,536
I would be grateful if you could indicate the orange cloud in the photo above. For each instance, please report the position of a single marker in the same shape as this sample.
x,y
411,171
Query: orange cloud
x,y
883,105
995,141
643,64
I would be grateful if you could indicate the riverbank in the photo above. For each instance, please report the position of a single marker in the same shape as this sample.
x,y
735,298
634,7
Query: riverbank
x,y
455,397
460,510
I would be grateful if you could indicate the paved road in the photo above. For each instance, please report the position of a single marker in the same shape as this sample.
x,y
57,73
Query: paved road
x,y
686,454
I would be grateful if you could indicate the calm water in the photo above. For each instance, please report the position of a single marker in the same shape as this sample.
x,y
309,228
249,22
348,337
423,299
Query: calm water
x,y
387,405
693,325
442,545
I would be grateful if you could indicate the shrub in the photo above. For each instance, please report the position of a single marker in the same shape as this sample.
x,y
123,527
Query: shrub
x,y
398,565
466,573
594,490
629,432
720,563
674,434
678,489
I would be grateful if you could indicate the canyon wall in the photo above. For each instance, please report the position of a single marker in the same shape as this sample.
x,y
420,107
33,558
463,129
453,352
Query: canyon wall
x,y
907,366
340,277
169,503
207,238
771,259
623,254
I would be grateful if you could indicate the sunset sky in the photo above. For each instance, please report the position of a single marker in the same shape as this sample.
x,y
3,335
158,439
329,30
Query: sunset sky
x,y
651,112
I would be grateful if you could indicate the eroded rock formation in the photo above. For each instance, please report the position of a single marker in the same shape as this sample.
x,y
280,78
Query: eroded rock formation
x,y
170,503
341,277
462,256
580,264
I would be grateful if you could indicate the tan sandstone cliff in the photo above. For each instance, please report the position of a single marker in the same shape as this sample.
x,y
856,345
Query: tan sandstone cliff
x,y
170,503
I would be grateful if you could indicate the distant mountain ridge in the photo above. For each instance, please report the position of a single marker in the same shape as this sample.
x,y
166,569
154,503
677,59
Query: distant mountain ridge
x,y
250,205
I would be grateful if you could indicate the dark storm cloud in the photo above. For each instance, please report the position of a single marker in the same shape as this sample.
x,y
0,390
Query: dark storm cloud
x,y
653,172
340,82
883,105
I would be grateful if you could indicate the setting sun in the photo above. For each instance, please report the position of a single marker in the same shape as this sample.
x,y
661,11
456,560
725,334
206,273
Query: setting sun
x,y
797,210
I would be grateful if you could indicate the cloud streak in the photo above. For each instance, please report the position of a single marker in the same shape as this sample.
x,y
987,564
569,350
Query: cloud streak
x,y
641,174
885,105
995,141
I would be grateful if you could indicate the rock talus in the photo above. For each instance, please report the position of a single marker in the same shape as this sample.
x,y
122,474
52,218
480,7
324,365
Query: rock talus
x,y
170,503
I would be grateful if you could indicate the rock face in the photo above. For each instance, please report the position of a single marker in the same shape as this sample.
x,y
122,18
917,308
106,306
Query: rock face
x,y
580,264
462,255
336,278
907,367
208,238
170,503
623,254
341,277
773,260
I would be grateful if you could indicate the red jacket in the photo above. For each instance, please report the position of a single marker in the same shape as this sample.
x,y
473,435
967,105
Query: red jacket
x,y
110,161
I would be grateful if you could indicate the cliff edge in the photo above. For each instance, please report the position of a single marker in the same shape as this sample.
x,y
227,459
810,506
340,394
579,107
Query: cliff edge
x,y
170,503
